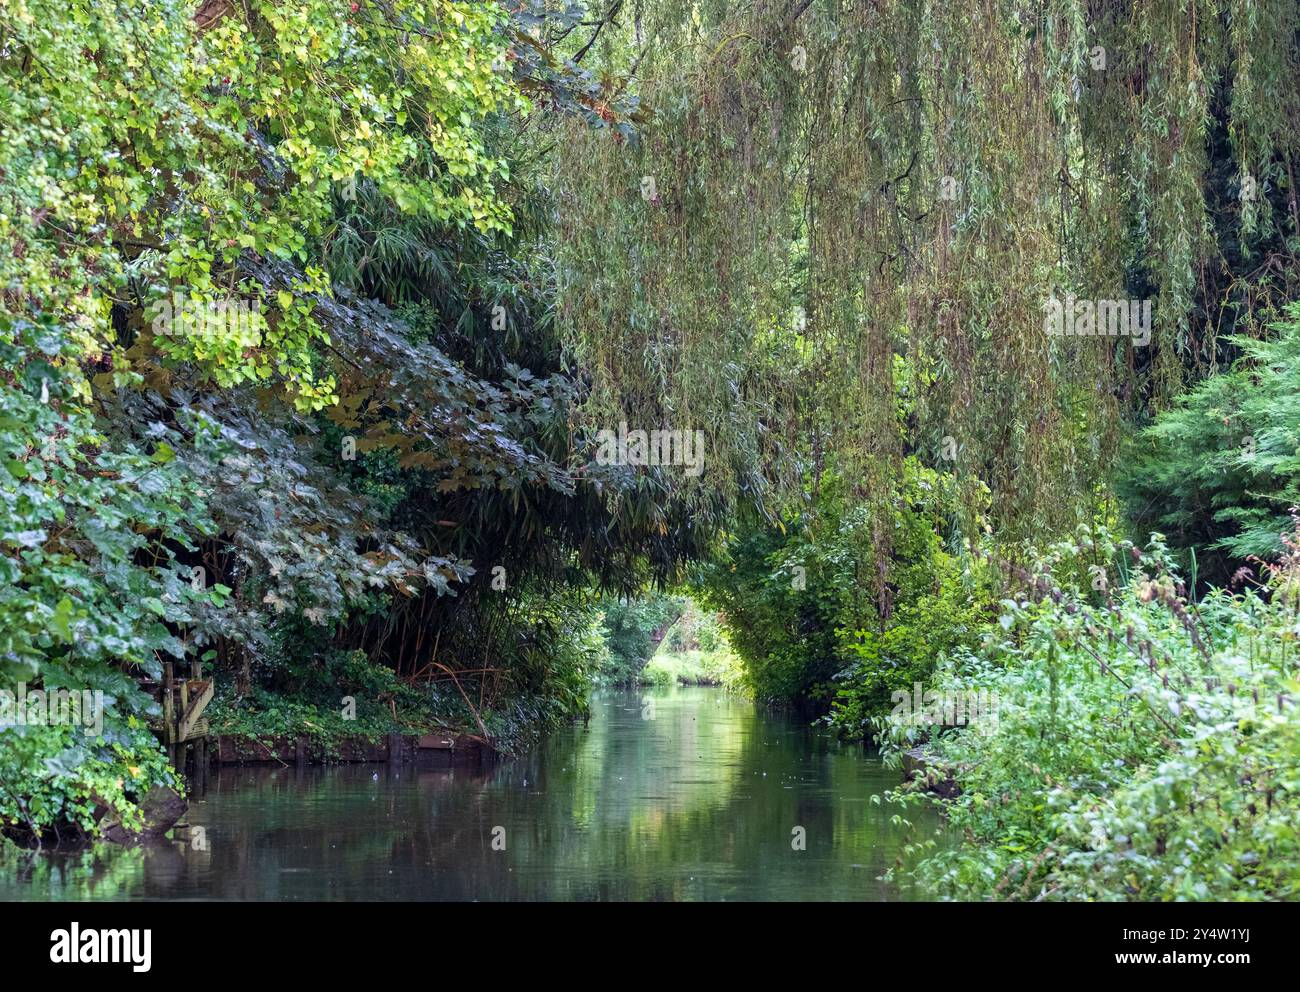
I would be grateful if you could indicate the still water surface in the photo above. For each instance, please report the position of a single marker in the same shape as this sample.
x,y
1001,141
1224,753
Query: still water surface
x,y
695,800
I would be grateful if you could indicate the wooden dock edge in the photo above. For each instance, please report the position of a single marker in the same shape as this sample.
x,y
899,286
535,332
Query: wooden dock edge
x,y
238,749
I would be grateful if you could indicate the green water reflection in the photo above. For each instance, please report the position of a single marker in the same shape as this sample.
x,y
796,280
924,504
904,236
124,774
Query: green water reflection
x,y
694,798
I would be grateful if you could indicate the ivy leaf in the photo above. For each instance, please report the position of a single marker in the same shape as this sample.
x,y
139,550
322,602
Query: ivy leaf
x,y
27,538
61,621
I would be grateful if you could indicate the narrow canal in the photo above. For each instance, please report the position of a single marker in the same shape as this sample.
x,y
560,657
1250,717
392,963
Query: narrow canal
x,y
670,794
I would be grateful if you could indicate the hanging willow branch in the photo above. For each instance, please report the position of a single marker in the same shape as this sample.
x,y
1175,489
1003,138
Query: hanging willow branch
x,y
840,227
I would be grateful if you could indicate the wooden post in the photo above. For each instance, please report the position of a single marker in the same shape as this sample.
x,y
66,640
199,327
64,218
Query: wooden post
x,y
201,763
394,748
199,751
169,716
169,711
300,753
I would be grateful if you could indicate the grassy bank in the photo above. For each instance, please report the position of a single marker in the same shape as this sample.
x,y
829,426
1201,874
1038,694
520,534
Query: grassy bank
x,y
719,667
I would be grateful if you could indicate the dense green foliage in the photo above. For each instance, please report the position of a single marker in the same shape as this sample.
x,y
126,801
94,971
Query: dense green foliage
x,y
803,611
831,195
1144,746
1220,472
281,391
76,603
633,630
312,317
695,651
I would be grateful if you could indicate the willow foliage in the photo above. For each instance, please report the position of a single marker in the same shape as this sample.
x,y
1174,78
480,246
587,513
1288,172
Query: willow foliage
x,y
841,225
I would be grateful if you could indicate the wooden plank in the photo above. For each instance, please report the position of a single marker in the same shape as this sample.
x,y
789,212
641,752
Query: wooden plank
x,y
200,695
236,749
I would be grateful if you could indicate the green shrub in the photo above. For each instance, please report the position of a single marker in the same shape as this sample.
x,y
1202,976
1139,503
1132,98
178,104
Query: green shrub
x,y
55,783
1220,471
630,631
1144,747
719,667
800,609
91,524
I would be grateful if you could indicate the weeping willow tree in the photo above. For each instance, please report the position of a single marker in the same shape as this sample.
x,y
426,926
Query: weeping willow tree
x,y
843,225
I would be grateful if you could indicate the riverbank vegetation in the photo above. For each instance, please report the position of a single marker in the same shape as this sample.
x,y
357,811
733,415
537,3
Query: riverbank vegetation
x,y
1143,745
695,651
283,392
352,352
